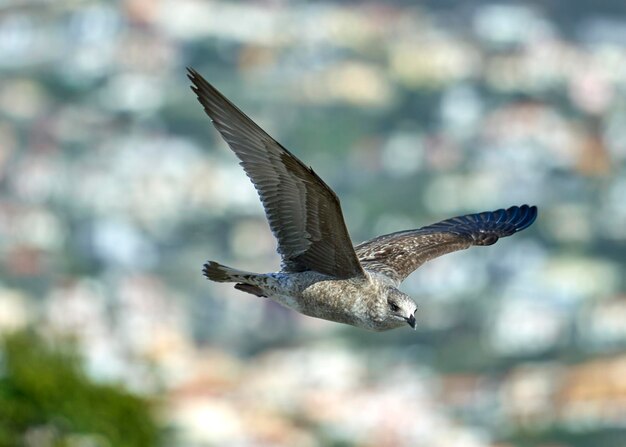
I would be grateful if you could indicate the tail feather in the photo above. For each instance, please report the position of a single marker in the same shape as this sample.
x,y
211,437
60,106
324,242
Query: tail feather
x,y
221,273
249,288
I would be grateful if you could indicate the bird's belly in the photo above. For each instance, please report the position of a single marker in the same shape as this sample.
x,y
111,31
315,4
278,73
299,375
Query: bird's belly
x,y
318,308
342,301
315,305
287,301
325,300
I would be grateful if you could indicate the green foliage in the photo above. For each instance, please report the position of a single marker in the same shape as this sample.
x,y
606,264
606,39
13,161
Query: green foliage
x,y
45,394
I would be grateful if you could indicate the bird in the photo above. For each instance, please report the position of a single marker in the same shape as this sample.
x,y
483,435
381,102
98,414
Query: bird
x,y
323,275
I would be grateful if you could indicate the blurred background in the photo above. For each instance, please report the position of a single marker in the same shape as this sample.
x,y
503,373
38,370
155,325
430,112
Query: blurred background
x,y
115,188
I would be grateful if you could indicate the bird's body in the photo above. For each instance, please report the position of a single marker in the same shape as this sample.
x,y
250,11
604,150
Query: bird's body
x,y
323,275
356,301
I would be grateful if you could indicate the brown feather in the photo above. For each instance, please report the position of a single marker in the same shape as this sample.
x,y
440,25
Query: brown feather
x,y
396,255
303,212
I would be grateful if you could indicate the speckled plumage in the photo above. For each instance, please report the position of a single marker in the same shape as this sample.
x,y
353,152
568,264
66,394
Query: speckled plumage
x,y
323,275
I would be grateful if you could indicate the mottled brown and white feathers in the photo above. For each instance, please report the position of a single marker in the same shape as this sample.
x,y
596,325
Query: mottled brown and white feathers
x,y
322,274
396,255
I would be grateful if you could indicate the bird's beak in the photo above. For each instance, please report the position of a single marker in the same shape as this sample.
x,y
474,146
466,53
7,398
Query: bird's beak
x,y
411,321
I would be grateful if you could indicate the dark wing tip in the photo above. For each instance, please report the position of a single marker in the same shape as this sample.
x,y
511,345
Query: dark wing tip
x,y
192,74
199,83
220,110
201,87
530,215
521,217
487,227
502,223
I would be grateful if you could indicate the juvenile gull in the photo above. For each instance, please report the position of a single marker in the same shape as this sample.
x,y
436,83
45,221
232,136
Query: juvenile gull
x,y
322,274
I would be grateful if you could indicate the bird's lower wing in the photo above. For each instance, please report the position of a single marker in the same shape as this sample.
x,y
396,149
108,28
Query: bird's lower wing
x,y
303,212
398,254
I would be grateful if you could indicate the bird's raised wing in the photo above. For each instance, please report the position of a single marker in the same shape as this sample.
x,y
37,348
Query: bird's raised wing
x,y
398,254
303,212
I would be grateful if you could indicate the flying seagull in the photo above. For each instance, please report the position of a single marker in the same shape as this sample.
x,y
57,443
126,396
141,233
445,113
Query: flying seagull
x,y
322,274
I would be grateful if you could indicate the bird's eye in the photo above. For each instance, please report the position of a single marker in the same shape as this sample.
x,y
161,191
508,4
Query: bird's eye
x,y
394,307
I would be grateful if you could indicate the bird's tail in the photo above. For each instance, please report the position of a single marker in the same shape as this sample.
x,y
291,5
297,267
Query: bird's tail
x,y
245,280
221,273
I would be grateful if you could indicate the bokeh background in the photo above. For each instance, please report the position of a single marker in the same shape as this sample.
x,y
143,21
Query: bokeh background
x,y
115,188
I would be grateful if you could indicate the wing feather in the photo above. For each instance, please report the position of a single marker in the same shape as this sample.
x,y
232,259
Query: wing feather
x,y
304,214
398,254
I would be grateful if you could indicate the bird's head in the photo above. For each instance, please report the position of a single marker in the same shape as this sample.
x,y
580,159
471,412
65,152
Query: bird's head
x,y
399,308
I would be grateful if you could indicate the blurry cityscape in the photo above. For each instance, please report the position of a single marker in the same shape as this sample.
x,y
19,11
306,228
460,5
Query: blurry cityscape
x,y
115,188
